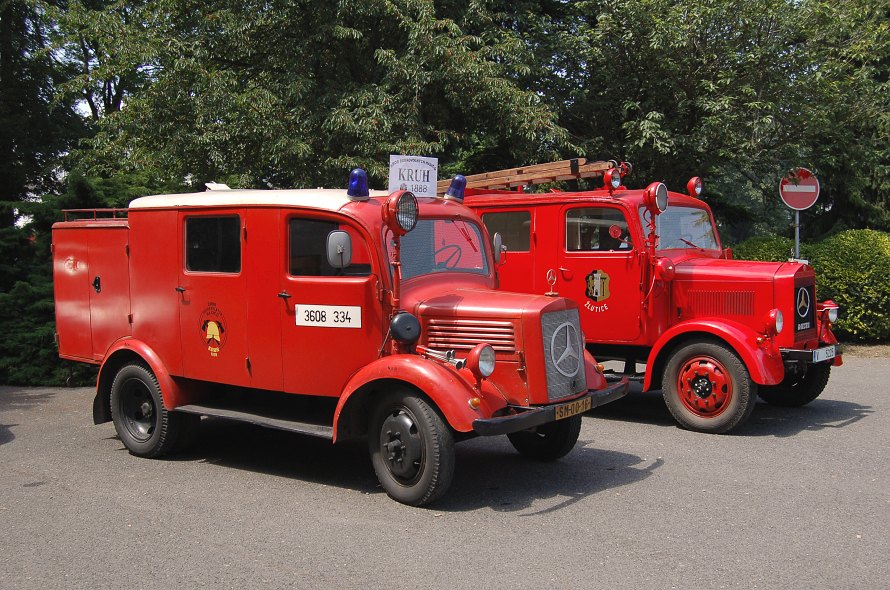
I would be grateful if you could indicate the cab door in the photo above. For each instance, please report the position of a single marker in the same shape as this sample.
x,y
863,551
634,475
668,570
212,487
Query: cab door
x,y
516,227
331,318
600,269
212,303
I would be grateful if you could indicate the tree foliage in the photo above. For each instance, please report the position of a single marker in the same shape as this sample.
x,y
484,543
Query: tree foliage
x,y
285,93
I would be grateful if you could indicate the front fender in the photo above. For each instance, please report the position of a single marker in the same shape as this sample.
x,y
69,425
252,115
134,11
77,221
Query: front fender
x,y
762,359
449,389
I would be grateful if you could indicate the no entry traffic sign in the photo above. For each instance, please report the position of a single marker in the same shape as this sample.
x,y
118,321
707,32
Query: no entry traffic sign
x,y
799,189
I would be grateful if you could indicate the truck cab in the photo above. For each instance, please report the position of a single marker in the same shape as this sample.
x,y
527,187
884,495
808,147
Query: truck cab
x,y
333,313
654,285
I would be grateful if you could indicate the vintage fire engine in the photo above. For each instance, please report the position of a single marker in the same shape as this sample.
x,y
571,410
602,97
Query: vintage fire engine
x,y
333,313
654,285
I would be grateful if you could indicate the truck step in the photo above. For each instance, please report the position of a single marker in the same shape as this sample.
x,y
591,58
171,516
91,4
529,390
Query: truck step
x,y
302,426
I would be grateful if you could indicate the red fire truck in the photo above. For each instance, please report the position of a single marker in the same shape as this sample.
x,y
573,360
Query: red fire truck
x,y
654,285
333,313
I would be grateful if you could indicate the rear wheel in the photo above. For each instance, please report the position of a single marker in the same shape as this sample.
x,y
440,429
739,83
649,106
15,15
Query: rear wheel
x,y
548,442
142,422
797,390
707,388
412,449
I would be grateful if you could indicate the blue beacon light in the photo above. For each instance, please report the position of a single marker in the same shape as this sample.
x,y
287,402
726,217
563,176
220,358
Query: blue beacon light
x,y
358,185
456,188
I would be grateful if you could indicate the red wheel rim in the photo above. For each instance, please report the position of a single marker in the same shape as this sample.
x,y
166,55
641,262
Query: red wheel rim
x,y
704,386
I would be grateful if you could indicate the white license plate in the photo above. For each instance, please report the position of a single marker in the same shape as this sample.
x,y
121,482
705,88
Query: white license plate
x,y
824,354
329,316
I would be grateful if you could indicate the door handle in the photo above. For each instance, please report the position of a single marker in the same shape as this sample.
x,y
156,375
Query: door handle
x,y
285,295
97,284
567,273
179,289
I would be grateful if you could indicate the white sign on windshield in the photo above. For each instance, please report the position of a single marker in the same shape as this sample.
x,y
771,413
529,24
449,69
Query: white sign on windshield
x,y
413,173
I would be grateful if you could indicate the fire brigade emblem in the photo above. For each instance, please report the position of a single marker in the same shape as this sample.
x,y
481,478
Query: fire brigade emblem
x,y
597,286
803,302
213,329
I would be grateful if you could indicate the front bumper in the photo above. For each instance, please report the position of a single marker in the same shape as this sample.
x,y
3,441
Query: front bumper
x,y
812,356
526,417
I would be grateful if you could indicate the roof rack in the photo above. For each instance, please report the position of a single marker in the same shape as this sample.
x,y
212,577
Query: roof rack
x,y
537,174
94,214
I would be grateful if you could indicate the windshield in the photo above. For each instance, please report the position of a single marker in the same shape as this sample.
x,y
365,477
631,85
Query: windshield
x,y
683,227
442,245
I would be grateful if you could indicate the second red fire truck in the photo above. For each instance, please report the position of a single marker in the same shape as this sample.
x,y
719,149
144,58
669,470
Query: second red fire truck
x,y
655,286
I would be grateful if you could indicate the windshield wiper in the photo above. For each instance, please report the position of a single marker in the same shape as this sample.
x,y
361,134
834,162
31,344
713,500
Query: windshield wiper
x,y
688,243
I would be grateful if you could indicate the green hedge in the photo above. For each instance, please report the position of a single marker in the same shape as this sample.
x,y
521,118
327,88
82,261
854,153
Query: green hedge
x,y
852,268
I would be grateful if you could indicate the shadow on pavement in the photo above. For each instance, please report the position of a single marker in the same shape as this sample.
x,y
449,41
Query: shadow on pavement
x,y
19,398
6,434
767,420
489,473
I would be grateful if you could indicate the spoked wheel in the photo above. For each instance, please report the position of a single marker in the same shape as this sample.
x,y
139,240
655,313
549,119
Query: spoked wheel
x,y
412,449
707,388
548,442
142,422
797,390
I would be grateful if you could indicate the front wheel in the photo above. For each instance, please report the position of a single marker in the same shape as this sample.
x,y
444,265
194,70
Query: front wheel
x,y
548,442
797,390
412,449
142,422
707,388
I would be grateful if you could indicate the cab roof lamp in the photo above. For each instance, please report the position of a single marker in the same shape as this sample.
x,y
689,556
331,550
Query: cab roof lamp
x,y
457,188
612,179
358,185
694,187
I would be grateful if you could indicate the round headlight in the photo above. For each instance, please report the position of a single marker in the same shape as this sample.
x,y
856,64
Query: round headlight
x,y
481,360
832,314
694,186
612,178
775,322
400,212
656,196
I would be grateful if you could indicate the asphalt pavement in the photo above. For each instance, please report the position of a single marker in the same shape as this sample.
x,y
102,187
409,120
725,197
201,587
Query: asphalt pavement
x,y
796,498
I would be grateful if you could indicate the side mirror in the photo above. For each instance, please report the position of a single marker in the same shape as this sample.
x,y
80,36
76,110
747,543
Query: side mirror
x,y
339,249
499,248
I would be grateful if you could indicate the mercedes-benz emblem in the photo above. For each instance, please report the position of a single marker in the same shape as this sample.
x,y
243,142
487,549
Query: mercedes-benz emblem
x,y
803,302
565,349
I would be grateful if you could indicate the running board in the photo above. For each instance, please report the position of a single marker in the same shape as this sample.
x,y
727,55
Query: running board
x,y
302,427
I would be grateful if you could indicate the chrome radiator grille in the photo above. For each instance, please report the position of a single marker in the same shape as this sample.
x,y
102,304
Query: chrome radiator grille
x,y
563,353
448,334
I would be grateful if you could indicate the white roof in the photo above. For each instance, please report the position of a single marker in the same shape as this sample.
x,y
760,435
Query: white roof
x,y
330,199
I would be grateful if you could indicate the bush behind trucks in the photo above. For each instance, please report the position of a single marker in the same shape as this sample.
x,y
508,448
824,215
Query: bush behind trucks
x,y
333,313
654,285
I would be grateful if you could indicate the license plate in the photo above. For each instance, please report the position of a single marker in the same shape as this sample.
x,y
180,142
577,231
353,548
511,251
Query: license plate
x,y
572,408
823,354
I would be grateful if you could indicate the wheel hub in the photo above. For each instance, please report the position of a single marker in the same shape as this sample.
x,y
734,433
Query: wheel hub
x,y
401,445
704,386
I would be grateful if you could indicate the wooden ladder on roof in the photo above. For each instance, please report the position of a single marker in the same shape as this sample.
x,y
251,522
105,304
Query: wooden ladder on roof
x,y
536,174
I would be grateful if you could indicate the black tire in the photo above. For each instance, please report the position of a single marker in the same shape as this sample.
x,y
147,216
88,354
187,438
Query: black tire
x,y
412,448
797,390
707,388
142,422
548,442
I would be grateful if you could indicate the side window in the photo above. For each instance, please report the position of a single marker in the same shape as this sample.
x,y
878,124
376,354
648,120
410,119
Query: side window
x,y
588,229
514,227
213,244
307,244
